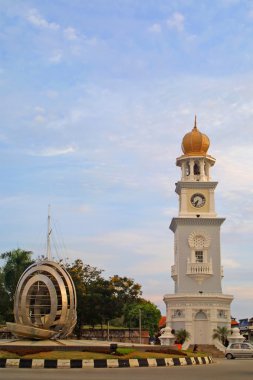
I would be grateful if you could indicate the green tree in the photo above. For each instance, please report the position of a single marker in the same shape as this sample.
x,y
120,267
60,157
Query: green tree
x,y
102,302
147,311
125,291
182,335
16,262
221,333
5,309
90,286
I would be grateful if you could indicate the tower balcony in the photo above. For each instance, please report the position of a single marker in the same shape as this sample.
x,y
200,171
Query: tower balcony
x,y
174,272
199,271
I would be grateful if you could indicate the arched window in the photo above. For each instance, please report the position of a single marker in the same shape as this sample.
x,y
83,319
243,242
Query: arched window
x,y
196,169
200,315
199,243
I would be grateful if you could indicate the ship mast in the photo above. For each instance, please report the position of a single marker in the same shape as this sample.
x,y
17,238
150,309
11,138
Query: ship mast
x,y
49,230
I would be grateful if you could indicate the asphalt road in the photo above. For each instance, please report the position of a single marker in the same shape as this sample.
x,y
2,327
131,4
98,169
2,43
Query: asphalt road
x,y
239,369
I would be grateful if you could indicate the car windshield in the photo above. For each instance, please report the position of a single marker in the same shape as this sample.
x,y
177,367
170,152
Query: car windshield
x,y
242,345
235,345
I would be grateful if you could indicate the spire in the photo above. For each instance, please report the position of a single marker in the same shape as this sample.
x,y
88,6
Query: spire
x,y
195,123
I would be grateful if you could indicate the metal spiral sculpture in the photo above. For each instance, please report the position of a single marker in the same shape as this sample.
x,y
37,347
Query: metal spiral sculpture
x,y
45,302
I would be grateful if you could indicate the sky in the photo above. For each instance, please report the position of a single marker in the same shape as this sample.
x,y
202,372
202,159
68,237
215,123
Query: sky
x,y
96,97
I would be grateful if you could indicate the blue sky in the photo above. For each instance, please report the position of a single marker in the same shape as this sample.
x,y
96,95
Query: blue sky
x,y
96,97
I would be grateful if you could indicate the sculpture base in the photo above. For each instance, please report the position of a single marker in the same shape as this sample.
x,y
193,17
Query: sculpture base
x,y
29,332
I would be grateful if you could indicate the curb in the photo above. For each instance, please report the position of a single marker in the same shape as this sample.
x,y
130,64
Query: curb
x,y
103,363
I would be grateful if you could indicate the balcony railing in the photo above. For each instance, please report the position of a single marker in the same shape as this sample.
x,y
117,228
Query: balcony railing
x,y
199,271
199,268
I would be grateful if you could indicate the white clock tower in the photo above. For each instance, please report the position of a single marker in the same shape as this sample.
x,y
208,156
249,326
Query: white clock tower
x,y
198,305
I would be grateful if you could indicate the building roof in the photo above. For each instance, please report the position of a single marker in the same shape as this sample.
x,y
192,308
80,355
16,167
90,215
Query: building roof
x,y
162,322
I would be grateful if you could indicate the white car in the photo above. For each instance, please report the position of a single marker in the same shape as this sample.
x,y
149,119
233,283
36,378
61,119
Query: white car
x,y
239,350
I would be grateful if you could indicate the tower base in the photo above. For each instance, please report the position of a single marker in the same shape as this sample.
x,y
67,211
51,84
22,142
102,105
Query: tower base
x,y
199,314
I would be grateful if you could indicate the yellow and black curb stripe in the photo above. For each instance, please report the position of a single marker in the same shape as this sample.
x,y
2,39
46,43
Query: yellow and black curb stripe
x,y
103,363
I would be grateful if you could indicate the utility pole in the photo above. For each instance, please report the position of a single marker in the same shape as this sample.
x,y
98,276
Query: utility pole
x,y
140,324
108,331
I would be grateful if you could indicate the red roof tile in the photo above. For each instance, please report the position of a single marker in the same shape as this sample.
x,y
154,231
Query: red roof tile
x,y
162,322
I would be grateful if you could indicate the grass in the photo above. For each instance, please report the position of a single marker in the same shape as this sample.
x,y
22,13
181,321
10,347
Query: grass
x,y
123,353
124,350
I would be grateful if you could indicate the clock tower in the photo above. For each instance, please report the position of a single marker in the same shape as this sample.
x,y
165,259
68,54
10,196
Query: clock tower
x,y
198,305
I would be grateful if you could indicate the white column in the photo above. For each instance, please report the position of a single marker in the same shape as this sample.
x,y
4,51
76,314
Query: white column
x,y
191,169
202,170
207,170
183,170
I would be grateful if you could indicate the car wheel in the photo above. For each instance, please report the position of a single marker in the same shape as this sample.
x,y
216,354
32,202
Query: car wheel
x,y
229,356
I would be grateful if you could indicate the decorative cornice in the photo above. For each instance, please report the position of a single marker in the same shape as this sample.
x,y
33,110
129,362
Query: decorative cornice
x,y
195,222
194,185
185,157
186,297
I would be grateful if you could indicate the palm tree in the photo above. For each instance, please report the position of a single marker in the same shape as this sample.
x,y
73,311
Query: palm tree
x,y
182,335
221,333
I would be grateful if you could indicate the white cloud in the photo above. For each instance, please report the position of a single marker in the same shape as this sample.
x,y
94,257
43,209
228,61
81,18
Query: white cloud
x,y
52,94
171,212
241,226
56,57
3,137
10,200
36,19
50,152
39,109
243,292
92,41
153,267
152,246
230,167
176,21
39,119
155,28
70,33
84,209
230,263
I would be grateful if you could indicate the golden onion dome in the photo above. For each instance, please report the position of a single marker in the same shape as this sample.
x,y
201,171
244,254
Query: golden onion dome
x,y
195,143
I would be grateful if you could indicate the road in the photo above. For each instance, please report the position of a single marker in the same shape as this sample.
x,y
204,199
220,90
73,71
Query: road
x,y
239,369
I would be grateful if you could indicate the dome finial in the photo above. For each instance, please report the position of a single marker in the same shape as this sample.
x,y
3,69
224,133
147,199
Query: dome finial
x,y
195,122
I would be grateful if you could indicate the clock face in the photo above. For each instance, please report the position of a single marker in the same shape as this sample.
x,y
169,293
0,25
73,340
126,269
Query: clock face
x,y
198,200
